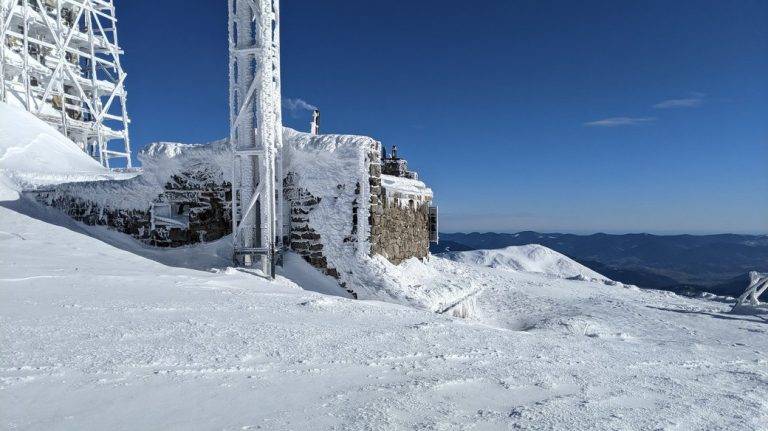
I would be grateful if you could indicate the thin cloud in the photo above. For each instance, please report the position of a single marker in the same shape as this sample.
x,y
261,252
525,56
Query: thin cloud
x,y
695,100
620,121
297,106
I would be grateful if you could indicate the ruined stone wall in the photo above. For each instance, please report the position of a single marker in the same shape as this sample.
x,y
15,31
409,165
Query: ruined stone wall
x,y
132,222
402,230
201,210
204,205
183,197
376,208
303,239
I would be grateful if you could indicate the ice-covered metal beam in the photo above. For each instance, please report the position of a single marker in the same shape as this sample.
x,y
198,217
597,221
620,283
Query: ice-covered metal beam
x,y
255,131
758,284
59,62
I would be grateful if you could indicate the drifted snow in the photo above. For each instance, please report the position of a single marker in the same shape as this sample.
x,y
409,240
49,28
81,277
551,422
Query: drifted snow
x,y
528,258
407,186
98,337
161,160
34,153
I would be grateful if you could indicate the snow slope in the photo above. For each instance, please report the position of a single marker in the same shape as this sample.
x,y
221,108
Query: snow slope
x,y
33,153
93,336
527,258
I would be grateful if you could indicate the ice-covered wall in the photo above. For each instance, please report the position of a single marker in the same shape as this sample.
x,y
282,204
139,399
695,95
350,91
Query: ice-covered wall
x,y
341,212
328,188
182,197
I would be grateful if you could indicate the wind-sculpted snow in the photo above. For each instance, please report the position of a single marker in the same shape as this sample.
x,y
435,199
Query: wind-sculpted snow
x,y
162,160
33,153
133,343
528,258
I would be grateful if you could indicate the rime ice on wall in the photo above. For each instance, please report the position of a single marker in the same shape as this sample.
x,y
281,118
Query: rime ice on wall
x,y
329,194
343,216
182,197
355,224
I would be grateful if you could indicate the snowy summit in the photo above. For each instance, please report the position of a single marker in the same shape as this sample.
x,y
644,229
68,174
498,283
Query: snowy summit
x,y
106,331
278,279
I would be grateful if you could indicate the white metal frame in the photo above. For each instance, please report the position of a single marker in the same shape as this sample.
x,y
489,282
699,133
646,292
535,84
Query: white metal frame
x,y
758,284
81,69
256,132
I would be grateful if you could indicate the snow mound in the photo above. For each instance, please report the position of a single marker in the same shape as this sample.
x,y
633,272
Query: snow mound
x,y
198,164
405,185
162,160
9,191
529,258
33,153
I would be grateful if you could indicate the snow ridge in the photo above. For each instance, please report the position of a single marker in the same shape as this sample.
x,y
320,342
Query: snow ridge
x,y
528,258
33,153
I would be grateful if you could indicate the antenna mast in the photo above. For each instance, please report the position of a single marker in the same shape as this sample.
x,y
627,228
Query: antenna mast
x,y
255,132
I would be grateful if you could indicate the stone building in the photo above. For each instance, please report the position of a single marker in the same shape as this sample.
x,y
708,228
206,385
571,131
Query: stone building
x,y
342,210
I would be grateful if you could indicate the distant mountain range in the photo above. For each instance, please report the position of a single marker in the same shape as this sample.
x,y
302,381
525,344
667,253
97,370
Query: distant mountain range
x,y
681,263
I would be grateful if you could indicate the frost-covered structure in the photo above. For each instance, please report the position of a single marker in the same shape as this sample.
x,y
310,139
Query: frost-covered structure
x,y
254,106
750,299
342,215
182,197
60,60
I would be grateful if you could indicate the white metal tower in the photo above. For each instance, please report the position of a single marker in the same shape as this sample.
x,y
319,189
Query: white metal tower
x,y
255,132
60,60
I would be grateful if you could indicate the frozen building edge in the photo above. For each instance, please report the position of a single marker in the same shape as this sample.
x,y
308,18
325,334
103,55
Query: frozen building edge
x,y
341,211
60,60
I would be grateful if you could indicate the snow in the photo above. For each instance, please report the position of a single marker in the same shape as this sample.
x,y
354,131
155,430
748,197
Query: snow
x,y
749,301
529,258
406,186
34,153
160,162
98,331
164,159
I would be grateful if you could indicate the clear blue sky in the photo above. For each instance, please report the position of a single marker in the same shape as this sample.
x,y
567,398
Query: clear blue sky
x,y
588,116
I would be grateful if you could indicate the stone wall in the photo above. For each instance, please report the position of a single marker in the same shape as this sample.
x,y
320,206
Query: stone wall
x,y
199,211
340,208
132,222
303,239
401,231
203,205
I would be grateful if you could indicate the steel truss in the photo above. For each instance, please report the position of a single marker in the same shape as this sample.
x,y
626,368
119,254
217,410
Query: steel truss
x,y
256,132
758,284
60,59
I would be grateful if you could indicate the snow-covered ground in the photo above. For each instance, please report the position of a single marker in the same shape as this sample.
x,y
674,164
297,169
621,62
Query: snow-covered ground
x,y
98,331
95,336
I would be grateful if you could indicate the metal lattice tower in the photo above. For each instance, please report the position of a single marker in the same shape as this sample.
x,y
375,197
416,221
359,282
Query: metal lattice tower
x,y
255,132
60,60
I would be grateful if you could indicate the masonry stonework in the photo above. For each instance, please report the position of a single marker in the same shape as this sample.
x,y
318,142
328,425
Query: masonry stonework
x,y
189,210
401,231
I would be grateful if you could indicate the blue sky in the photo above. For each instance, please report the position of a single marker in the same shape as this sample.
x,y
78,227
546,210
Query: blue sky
x,y
590,116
